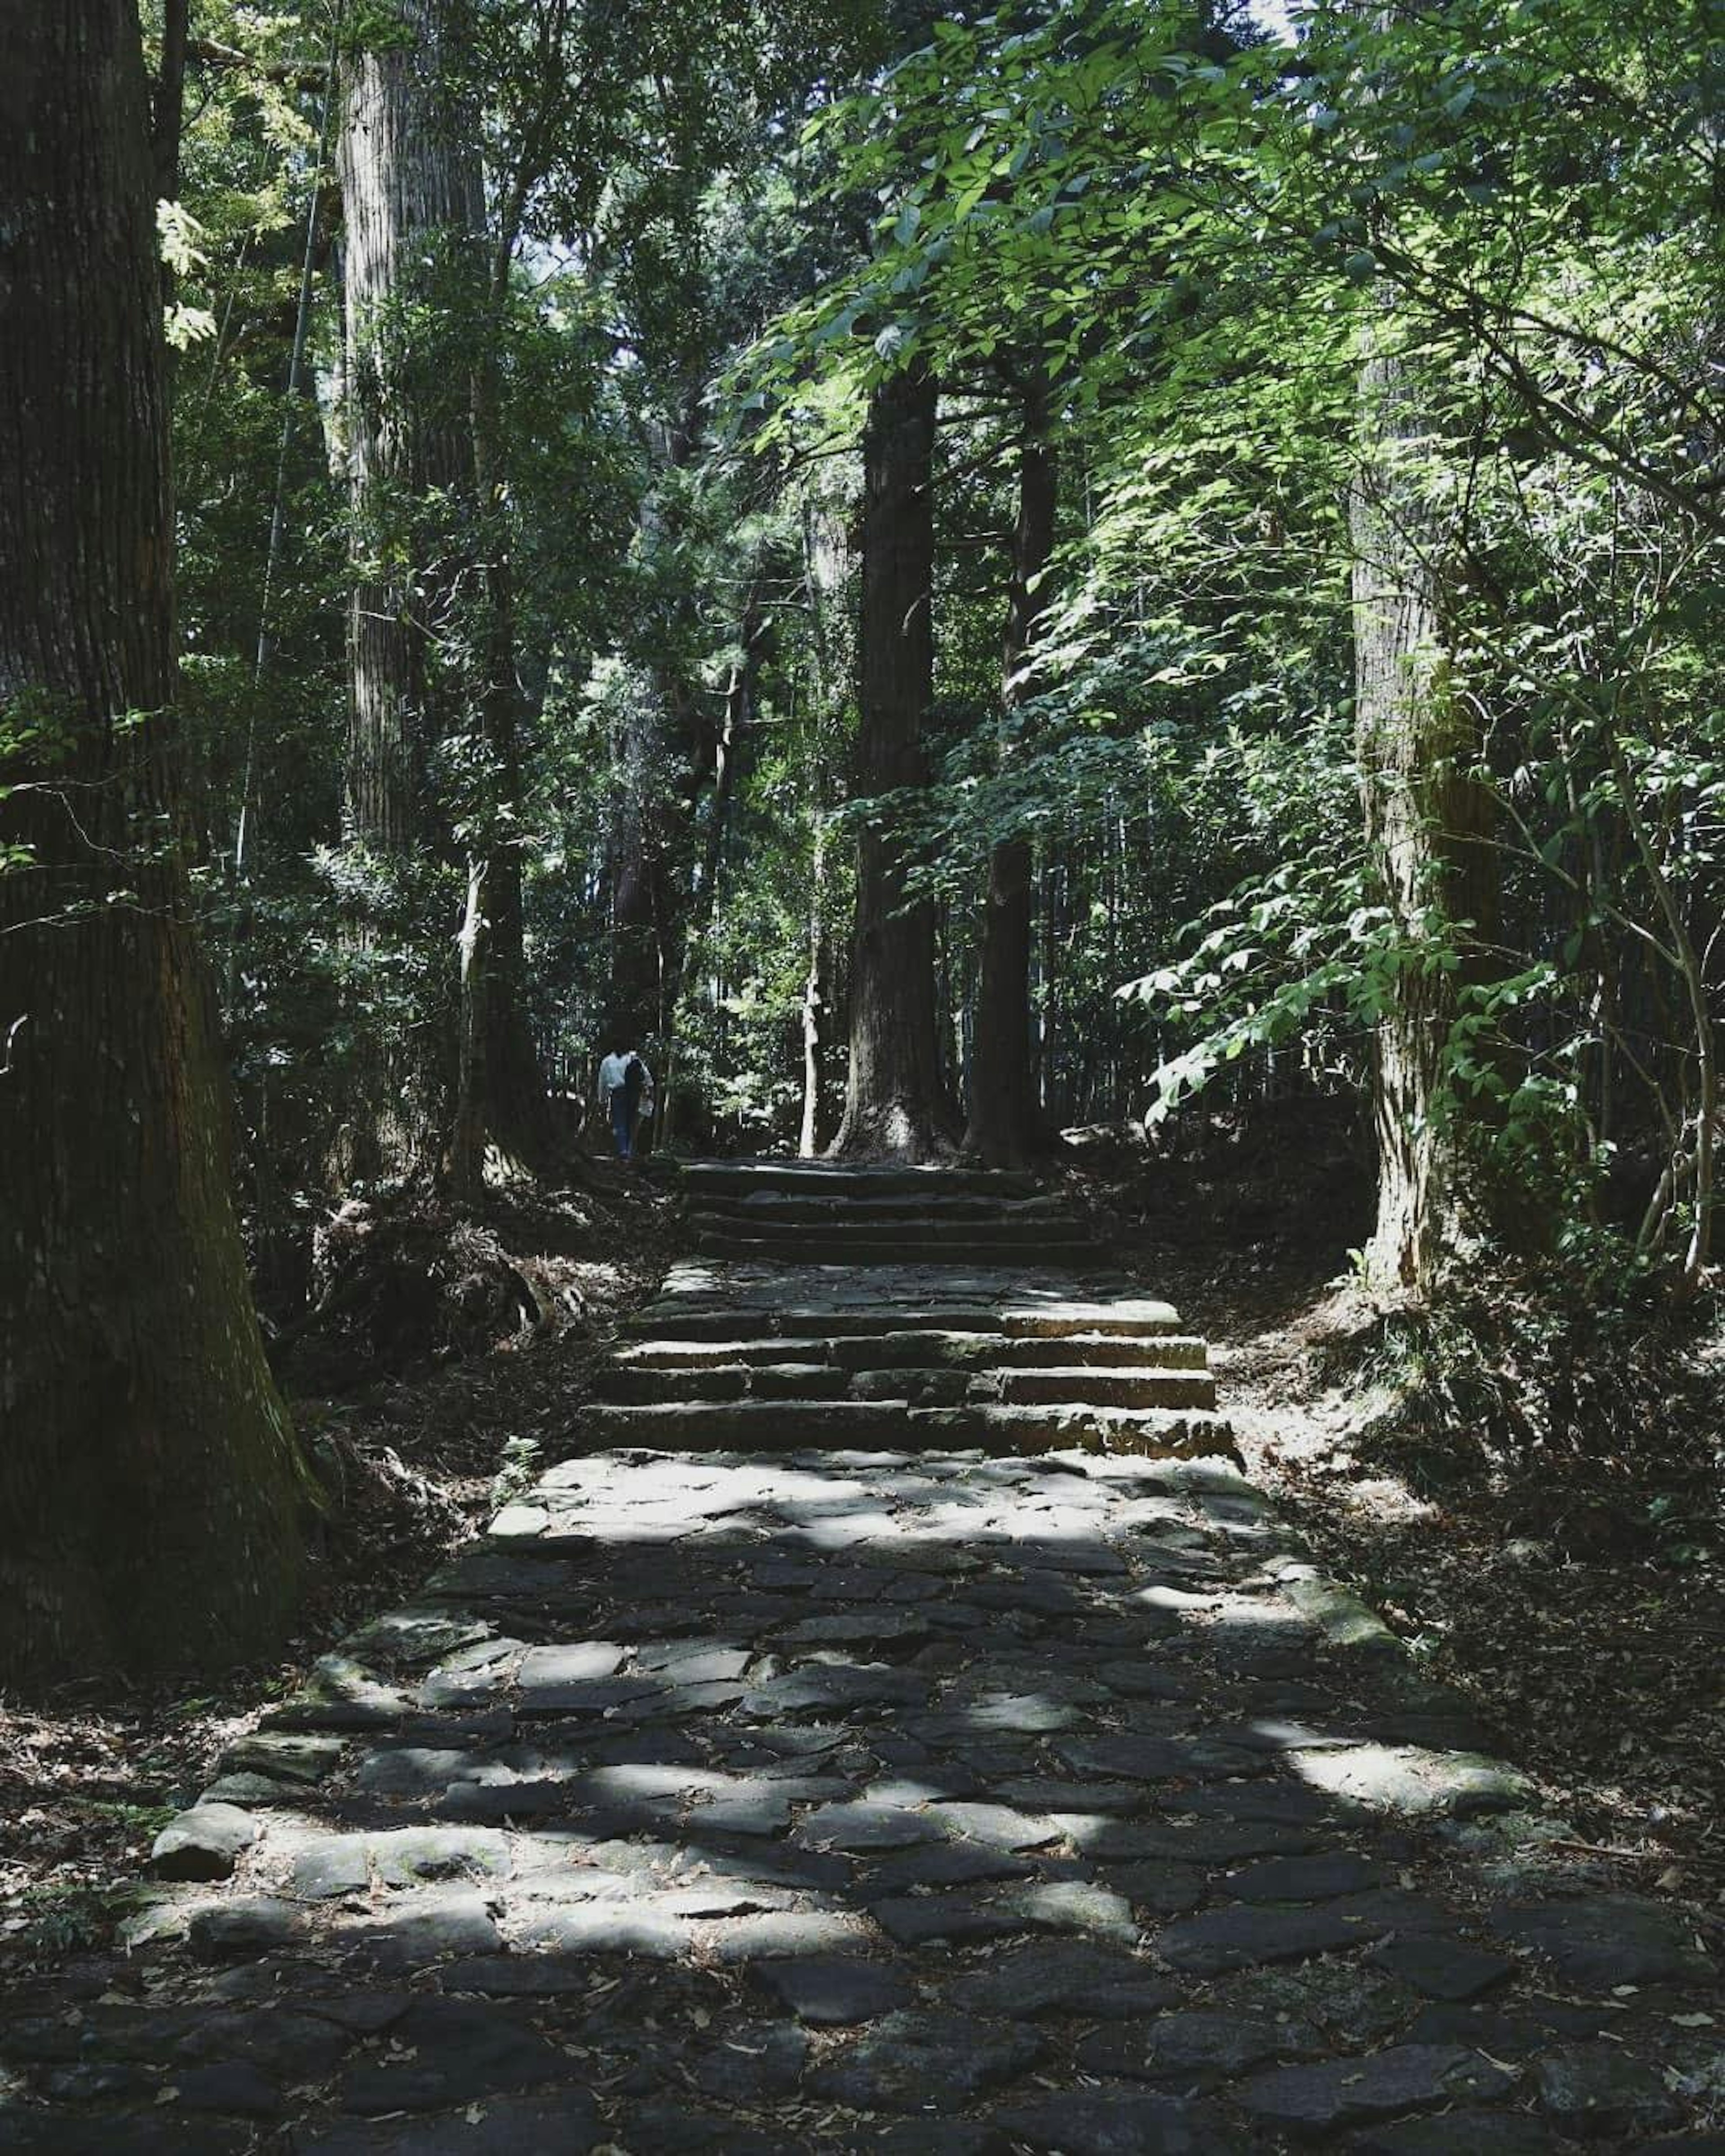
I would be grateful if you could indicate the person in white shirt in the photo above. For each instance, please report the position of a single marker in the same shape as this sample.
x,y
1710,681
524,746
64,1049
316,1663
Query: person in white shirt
x,y
623,1078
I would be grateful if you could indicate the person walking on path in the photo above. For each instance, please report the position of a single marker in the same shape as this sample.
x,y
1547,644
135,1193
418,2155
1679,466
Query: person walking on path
x,y
622,1080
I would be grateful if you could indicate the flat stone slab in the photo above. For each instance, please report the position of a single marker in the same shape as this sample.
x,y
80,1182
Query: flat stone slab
x,y
1321,2100
1196,2048
1617,1938
835,1990
919,2062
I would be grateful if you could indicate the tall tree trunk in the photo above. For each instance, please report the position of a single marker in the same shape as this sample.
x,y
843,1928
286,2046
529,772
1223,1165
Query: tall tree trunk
x,y
1425,817
411,191
825,567
815,990
1006,1127
895,1104
501,1097
150,1488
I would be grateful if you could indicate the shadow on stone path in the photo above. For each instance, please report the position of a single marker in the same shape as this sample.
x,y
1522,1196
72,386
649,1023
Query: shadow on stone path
x,y
837,1800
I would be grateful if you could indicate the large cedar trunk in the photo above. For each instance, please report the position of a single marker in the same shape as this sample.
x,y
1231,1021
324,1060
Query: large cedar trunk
x,y
1006,1125
150,1488
896,1105
413,207
1426,817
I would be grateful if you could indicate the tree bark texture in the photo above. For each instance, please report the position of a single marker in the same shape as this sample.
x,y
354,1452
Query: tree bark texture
x,y
1006,1127
896,1105
1425,817
414,208
150,1486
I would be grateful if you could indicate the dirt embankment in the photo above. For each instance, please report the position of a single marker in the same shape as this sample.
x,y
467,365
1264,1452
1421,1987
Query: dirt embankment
x,y
1530,1486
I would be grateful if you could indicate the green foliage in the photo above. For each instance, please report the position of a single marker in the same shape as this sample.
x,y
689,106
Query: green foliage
x,y
709,238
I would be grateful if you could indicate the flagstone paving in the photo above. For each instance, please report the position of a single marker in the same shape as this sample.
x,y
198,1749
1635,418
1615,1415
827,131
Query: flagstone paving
x,y
835,1798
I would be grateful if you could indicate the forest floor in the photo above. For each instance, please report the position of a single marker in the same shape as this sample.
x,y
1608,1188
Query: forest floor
x,y
1580,1607
1535,1502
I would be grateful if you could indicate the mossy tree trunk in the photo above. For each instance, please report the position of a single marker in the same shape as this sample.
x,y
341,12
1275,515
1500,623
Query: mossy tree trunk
x,y
414,208
150,1488
896,1105
1427,819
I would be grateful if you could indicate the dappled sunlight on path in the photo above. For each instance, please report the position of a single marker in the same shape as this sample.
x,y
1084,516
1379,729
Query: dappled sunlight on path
x,y
839,1798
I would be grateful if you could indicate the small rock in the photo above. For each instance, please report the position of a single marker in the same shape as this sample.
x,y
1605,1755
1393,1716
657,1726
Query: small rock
x,y
1241,1938
1196,2048
232,2085
995,1826
1354,2003
1410,1780
1606,1939
919,1919
755,2060
834,1990
281,1758
204,1843
1307,1878
405,1858
549,1668
917,2062
1097,1982
519,1523
1341,2093
948,1863
602,1928
1596,2089
331,1870
244,1929
1442,1968
427,1928
867,1826
793,1932
451,2052
1071,1905
1161,1889
247,1788
1157,1758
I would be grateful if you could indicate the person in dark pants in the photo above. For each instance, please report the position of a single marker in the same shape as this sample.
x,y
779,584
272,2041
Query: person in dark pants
x,y
623,1078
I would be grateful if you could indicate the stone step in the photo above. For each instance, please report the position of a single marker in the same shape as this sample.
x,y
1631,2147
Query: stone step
x,y
925,1350
780,1205
626,1384
1140,1386
893,1426
832,1247
818,1178
924,1231
799,1383
738,1317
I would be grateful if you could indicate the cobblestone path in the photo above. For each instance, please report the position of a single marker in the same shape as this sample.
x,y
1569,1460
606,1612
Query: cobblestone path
x,y
950,1797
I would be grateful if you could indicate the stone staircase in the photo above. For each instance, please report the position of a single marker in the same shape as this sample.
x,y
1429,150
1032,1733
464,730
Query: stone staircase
x,y
811,1213
899,1310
